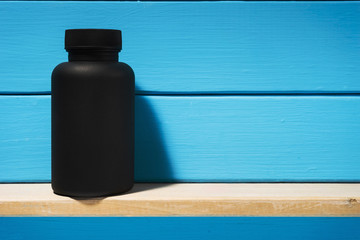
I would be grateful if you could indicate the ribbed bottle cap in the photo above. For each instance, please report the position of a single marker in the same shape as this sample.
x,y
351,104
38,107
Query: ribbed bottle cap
x,y
101,39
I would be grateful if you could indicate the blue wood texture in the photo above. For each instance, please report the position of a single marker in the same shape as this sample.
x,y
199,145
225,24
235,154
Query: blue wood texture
x,y
207,139
193,46
180,228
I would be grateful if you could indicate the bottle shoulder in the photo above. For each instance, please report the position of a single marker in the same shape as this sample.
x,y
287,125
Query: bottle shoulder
x,y
92,69
127,69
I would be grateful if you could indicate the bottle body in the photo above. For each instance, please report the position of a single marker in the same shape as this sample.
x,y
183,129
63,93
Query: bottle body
x,y
92,128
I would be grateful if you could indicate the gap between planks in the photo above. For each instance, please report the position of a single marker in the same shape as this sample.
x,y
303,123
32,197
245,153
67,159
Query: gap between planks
x,y
215,94
189,199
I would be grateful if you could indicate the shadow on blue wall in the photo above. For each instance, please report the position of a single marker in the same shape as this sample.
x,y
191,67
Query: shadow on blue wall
x,y
151,157
152,162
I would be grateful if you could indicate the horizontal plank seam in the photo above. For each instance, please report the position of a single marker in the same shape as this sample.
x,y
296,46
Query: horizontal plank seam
x,y
325,181
206,94
173,1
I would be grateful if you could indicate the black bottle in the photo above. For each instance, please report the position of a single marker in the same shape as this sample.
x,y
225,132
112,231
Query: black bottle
x,y
92,117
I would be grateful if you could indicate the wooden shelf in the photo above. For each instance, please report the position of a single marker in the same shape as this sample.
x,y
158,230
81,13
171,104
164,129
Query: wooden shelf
x,y
189,199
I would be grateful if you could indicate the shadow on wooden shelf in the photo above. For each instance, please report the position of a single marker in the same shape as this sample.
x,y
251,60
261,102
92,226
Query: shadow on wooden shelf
x,y
137,188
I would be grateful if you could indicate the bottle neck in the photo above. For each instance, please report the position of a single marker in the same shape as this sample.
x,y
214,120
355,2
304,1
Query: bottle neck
x,y
93,55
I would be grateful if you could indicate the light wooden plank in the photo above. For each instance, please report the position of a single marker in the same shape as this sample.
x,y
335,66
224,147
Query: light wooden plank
x,y
206,139
189,200
193,46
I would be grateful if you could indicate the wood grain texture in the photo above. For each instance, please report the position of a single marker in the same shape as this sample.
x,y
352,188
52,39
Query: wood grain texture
x,y
206,139
179,228
193,46
188,200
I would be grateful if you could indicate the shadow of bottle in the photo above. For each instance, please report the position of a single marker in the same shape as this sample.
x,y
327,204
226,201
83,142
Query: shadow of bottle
x,y
152,163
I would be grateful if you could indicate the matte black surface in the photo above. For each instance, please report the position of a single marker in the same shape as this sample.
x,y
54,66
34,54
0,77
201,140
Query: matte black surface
x,y
92,125
93,39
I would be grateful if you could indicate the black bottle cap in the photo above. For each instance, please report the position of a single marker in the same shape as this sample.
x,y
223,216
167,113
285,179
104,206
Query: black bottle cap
x,y
99,39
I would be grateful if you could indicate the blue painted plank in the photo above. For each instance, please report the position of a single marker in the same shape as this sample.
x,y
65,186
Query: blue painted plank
x,y
179,228
25,138
207,139
193,46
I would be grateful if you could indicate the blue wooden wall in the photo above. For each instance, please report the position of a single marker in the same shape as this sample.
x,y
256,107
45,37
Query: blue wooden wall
x,y
179,228
187,47
227,91
207,138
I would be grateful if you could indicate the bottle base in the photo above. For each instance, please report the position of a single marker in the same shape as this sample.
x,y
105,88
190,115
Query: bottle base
x,y
92,194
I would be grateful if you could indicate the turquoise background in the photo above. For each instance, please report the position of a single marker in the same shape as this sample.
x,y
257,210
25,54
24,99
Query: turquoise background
x,y
207,138
179,228
227,91
197,47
